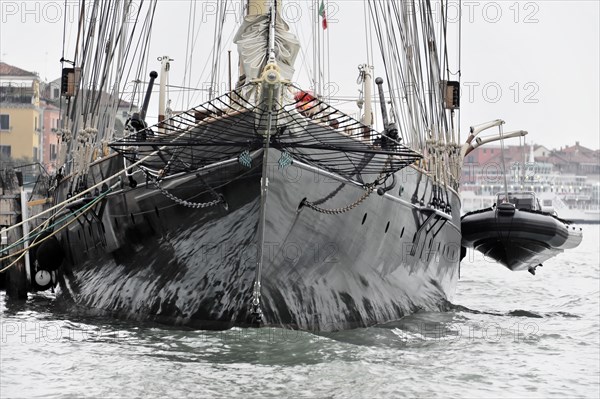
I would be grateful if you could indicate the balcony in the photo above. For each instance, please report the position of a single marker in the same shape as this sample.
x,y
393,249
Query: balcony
x,y
16,95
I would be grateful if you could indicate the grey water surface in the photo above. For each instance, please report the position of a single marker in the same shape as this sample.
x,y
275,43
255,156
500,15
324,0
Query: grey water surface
x,y
507,335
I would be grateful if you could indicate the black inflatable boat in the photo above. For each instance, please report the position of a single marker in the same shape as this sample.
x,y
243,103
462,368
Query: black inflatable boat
x,y
517,233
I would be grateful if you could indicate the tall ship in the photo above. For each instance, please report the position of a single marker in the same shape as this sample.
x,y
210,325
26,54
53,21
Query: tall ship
x,y
265,205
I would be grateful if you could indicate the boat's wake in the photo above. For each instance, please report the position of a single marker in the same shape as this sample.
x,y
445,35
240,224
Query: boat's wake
x,y
512,313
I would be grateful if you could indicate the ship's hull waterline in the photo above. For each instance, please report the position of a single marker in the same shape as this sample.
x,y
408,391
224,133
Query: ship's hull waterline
x,y
147,257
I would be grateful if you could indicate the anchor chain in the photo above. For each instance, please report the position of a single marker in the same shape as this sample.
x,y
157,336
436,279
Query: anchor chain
x,y
256,313
196,205
370,187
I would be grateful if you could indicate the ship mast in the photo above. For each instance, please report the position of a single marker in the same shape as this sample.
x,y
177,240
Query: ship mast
x,y
315,27
164,73
264,38
366,76
256,7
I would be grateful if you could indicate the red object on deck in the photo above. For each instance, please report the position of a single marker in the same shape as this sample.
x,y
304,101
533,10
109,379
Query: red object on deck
x,y
305,101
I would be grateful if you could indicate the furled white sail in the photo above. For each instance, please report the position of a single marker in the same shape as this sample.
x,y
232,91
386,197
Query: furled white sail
x,y
252,40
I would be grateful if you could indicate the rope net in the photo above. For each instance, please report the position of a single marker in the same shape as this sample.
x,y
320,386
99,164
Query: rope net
x,y
302,127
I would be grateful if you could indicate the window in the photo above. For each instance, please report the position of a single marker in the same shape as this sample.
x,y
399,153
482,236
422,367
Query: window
x,y
56,93
4,122
52,152
35,154
35,125
520,200
4,151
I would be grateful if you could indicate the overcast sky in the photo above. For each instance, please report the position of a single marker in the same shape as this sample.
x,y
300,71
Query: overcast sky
x,y
534,64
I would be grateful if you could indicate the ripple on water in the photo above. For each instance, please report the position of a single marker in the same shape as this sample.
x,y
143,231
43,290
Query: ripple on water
x,y
509,334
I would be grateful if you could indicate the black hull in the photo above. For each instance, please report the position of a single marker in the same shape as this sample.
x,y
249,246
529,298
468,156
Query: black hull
x,y
518,239
146,257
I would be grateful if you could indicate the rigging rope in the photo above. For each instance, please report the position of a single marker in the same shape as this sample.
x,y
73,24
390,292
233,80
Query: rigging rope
x,y
75,217
410,41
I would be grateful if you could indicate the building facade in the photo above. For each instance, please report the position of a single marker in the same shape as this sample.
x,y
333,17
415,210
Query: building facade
x,y
572,173
50,141
20,114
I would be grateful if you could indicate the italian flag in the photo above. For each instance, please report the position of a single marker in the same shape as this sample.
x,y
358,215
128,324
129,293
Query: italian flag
x,y
322,14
